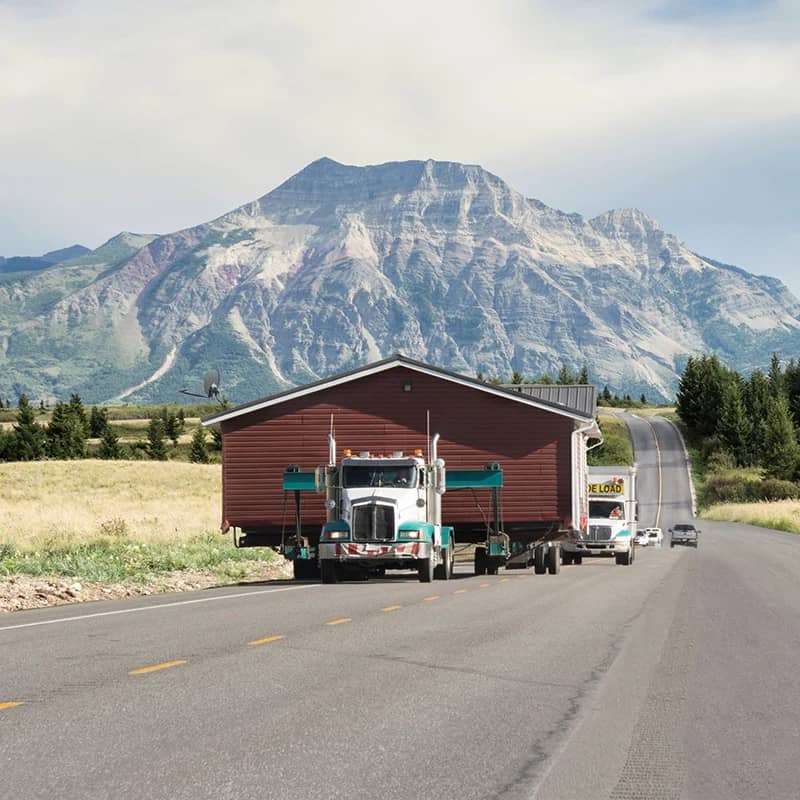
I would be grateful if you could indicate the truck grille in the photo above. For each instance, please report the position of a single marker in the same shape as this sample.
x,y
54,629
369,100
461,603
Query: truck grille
x,y
373,523
599,533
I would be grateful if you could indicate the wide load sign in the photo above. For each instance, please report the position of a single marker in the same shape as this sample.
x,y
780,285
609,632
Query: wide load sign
x,y
613,487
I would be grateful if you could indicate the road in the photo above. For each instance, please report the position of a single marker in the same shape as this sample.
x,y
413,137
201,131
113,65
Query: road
x,y
672,678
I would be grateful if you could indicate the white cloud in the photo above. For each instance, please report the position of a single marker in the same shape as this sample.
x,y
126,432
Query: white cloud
x,y
154,116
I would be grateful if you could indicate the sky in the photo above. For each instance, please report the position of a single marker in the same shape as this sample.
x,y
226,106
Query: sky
x,y
152,116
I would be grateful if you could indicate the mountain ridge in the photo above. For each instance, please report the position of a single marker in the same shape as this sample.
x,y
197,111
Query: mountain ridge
x,y
340,265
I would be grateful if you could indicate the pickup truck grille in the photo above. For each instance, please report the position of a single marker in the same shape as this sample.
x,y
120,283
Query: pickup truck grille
x,y
599,532
373,523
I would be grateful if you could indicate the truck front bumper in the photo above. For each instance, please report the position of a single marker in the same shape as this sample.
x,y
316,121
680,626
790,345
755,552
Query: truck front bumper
x,y
374,553
602,548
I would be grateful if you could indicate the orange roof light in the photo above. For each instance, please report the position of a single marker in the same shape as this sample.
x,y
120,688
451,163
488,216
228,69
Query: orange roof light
x,y
418,452
347,453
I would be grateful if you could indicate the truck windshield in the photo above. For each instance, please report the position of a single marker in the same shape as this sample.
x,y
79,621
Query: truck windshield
x,y
377,475
604,510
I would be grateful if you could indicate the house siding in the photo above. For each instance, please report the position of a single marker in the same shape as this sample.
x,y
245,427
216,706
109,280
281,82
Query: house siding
x,y
374,413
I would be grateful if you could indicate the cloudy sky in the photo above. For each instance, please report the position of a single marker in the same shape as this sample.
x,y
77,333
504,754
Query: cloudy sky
x,y
117,115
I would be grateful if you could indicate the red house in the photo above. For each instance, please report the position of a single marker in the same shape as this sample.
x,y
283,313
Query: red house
x,y
538,435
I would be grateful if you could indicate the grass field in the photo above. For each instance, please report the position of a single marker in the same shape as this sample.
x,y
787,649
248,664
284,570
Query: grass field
x,y
115,520
780,515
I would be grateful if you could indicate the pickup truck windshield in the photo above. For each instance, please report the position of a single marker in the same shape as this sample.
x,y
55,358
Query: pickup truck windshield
x,y
391,476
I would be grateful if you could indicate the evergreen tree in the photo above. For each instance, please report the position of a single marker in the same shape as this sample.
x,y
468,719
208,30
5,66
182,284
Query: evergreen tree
x,y
109,444
98,422
776,382
172,426
66,436
606,395
643,399
781,451
28,436
156,448
198,454
733,426
182,420
546,379
479,377
583,379
516,378
76,407
565,377
757,400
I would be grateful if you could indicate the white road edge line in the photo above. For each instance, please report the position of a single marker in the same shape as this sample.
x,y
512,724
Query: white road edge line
x,y
154,607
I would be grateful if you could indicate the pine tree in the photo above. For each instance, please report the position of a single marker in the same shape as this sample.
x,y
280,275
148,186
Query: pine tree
x,y
781,452
733,426
606,395
28,436
757,402
516,378
172,427
76,406
776,381
643,399
109,444
98,421
565,377
66,436
583,379
546,379
198,454
156,448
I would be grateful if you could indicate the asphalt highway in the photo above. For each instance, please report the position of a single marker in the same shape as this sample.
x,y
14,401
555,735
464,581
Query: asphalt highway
x,y
672,678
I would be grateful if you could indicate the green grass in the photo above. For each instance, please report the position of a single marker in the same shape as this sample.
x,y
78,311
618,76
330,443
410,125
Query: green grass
x,y
114,560
616,449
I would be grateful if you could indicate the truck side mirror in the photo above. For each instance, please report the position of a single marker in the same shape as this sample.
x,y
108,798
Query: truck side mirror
x,y
439,479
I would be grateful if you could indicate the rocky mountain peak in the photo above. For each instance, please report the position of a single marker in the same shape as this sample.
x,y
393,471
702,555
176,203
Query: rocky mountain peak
x,y
625,223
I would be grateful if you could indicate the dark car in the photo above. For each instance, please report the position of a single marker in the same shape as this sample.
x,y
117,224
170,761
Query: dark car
x,y
684,533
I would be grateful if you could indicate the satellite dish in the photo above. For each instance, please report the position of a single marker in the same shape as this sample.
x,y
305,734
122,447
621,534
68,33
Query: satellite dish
x,y
211,383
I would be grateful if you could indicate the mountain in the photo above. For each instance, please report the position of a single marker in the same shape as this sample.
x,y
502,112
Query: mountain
x,y
31,263
341,265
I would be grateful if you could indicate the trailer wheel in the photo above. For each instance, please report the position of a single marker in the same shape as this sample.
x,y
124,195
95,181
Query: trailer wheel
x,y
539,564
491,569
566,558
329,571
301,569
425,569
480,560
577,559
553,560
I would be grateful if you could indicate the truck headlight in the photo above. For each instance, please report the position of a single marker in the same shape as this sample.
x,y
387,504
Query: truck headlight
x,y
412,534
328,535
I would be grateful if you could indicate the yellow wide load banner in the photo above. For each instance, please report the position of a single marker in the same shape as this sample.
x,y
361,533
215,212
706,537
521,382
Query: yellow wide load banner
x,y
610,487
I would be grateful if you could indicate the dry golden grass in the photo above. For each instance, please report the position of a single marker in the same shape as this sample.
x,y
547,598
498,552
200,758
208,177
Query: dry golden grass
x,y
79,501
781,515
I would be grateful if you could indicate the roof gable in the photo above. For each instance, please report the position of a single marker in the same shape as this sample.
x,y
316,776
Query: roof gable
x,y
548,401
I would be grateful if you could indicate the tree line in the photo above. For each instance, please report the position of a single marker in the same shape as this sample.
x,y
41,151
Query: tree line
x,y
749,422
67,433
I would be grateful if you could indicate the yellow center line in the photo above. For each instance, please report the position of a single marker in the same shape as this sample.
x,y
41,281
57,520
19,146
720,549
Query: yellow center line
x,y
155,667
266,639
484,585
340,621
504,580
9,705
660,481
459,591
391,608
432,597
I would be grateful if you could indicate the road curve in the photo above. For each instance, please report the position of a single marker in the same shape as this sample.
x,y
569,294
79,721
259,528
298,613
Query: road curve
x,y
672,678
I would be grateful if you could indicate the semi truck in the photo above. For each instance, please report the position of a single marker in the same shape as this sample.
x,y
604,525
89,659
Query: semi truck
x,y
611,528
384,511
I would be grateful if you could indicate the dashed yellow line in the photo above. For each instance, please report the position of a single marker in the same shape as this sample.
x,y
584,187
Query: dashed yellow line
x,y
156,667
484,585
340,621
267,639
391,608
8,705
504,580
459,591
432,597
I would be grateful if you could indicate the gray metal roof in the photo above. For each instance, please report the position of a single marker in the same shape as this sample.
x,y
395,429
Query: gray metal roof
x,y
578,398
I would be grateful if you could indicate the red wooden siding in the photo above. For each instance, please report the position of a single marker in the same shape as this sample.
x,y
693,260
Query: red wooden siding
x,y
374,413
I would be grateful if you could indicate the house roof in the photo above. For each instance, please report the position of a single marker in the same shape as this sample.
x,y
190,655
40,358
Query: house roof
x,y
579,405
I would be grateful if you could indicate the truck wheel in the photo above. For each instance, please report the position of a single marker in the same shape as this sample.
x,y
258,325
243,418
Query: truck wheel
x,y
566,558
539,565
577,559
329,571
491,569
480,560
553,560
301,569
425,569
445,569
620,558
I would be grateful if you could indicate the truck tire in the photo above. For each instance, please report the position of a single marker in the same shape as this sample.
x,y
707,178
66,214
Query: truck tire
x,y
553,560
301,569
445,569
425,569
566,558
539,565
491,569
480,560
329,571
577,559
